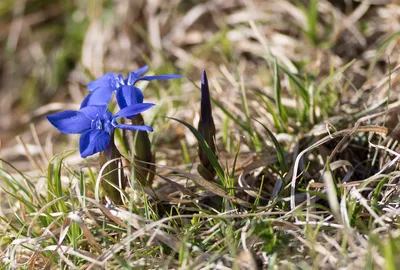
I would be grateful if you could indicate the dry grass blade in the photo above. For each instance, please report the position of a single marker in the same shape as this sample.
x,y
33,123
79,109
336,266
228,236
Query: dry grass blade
x,y
213,188
102,174
324,140
61,250
122,218
86,232
175,185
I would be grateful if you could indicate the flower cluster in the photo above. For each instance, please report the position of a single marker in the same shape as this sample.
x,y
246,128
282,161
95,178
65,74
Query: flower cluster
x,y
94,121
126,92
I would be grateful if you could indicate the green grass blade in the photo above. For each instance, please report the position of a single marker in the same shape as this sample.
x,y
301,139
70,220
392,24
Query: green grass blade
x,y
270,108
211,156
277,92
302,89
312,21
325,82
279,150
231,116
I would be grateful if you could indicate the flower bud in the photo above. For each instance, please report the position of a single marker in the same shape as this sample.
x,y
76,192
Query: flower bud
x,y
113,174
207,129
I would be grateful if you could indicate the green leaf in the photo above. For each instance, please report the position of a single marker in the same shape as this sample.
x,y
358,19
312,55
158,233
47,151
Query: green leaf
x,y
211,156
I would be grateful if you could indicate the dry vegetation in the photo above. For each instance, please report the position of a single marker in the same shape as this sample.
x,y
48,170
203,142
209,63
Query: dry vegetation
x,y
306,107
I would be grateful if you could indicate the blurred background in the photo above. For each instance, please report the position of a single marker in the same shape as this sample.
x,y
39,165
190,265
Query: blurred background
x,y
50,50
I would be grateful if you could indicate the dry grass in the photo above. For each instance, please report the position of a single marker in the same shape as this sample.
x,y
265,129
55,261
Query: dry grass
x,y
332,203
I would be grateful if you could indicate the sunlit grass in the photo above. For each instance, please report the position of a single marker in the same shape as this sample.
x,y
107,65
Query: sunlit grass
x,y
305,160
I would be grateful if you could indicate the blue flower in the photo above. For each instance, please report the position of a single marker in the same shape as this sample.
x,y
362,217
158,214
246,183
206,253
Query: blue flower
x,y
126,92
96,125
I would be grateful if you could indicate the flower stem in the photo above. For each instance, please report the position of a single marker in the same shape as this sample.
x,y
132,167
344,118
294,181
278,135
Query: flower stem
x,y
113,180
144,173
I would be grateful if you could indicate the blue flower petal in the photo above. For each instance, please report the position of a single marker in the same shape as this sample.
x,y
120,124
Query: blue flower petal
x,y
133,76
159,77
99,97
128,95
93,141
93,111
85,101
141,71
133,110
106,81
70,122
133,127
